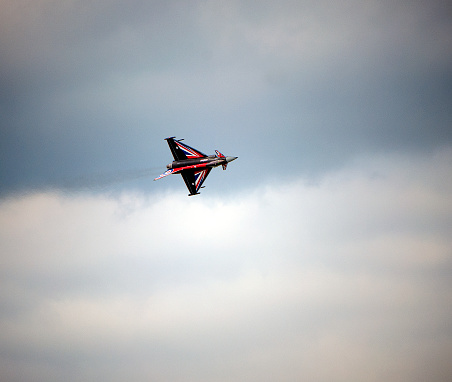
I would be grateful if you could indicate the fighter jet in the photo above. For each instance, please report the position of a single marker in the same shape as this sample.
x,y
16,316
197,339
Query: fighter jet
x,y
192,164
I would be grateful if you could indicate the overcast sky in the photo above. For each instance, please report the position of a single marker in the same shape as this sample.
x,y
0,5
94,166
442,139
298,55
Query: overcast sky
x,y
323,253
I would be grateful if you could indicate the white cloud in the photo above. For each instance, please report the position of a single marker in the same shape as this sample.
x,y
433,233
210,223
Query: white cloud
x,y
347,279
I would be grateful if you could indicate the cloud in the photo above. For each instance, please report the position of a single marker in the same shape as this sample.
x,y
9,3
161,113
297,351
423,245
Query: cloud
x,y
344,279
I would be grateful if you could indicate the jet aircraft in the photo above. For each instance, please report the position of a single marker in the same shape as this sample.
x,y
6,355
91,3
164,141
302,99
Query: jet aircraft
x,y
192,164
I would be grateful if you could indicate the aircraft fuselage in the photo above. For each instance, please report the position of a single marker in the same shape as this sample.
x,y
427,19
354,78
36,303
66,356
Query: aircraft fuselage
x,y
210,161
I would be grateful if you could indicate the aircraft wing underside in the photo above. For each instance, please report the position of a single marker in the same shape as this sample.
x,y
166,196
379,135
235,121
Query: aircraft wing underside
x,y
182,151
195,178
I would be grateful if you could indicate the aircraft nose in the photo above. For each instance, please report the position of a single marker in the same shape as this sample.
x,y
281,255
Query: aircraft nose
x,y
230,159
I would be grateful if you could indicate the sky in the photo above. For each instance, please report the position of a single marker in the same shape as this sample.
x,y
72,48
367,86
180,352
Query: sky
x,y
324,252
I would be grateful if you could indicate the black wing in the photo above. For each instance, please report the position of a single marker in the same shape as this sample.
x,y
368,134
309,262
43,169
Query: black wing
x,y
194,179
182,151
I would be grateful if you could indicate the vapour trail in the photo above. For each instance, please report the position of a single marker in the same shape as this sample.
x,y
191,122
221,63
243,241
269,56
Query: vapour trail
x,y
105,180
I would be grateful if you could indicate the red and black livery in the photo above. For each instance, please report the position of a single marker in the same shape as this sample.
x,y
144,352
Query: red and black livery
x,y
192,164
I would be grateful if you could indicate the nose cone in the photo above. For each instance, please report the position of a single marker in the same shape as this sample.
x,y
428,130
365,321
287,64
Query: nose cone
x,y
230,159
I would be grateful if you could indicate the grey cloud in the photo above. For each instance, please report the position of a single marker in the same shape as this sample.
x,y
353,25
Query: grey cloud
x,y
93,88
